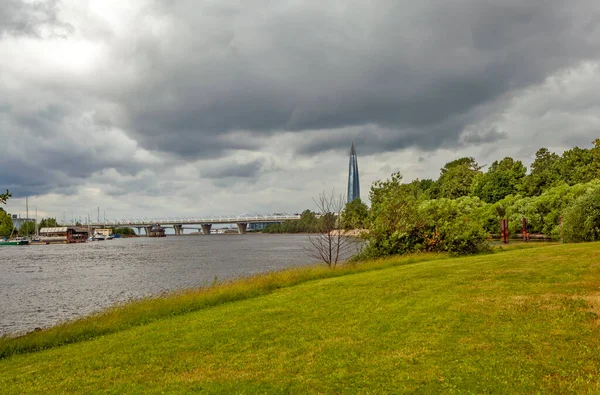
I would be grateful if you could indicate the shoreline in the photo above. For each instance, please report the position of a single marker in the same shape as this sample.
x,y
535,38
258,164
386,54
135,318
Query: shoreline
x,y
121,316
137,311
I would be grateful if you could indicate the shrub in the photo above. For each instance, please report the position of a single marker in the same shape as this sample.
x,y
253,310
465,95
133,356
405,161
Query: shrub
x,y
404,225
581,221
454,226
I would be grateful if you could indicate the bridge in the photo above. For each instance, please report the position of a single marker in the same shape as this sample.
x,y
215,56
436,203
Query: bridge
x,y
201,223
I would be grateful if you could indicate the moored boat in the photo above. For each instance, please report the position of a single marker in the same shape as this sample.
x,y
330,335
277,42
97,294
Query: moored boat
x,y
15,242
64,235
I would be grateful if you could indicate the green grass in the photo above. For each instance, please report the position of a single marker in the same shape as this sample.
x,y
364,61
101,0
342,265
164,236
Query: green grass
x,y
524,320
148,310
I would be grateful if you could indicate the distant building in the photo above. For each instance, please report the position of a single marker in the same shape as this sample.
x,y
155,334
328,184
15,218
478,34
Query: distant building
x,y
353,183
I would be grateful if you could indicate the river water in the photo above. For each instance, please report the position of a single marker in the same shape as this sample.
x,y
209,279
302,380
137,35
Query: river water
x,y
41,286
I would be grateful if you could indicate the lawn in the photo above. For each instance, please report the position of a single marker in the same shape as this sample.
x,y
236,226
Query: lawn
x,y
519,321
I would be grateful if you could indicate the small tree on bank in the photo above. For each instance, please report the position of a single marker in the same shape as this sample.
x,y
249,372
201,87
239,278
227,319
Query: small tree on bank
x,y
328,243
355,215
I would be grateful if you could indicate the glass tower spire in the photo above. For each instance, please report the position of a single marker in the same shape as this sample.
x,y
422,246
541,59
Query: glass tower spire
x,y
353,184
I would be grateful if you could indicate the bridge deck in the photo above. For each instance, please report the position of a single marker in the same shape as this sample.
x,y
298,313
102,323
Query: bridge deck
x,y
140,222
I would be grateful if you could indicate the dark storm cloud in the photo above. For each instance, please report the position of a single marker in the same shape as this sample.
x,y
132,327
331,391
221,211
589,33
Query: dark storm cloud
x,y
18,17
373,139
202,79
44,151
419,71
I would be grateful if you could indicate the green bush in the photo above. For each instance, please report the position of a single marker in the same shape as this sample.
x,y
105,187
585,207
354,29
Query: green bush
x,y
124,231
454,225
581,220
395,228
402,224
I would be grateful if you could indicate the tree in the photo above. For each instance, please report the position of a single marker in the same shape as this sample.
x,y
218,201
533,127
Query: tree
x,y
27,228
329,244
582,218
355,215
456,178
307,224
427,186
594,168
576,166
6,224
308,221
383,188
544,173
48,223
124,232
502,179
4,197
394,225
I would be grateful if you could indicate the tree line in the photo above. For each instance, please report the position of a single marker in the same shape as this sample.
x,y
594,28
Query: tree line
x,y
308,223
461,210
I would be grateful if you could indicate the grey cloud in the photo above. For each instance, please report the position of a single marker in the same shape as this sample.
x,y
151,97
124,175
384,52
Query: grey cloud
x,y
18,17
218,170
484,136
145,185
373,139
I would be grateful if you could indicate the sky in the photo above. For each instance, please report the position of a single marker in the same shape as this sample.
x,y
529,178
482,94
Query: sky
x,y
186,108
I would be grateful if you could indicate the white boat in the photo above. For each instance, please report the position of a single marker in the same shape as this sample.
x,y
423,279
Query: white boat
x,y
99,237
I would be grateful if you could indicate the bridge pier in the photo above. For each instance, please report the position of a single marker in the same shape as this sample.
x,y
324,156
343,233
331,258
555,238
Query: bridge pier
x,y
139,229
206,228
147,230
242,227
178,229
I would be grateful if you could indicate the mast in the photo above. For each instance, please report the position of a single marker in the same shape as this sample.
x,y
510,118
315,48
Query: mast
x,y
27,214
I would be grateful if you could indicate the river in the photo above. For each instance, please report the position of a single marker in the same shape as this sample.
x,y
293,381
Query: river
x,y
41,286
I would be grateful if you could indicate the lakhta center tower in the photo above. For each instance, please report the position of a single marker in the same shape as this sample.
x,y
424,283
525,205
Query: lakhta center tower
x,y
353,183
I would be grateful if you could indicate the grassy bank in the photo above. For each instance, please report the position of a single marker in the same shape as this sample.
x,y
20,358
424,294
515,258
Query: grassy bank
x,y
524,320
148,310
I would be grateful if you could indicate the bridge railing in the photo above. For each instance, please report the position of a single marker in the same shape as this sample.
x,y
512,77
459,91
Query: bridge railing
x,y
196,221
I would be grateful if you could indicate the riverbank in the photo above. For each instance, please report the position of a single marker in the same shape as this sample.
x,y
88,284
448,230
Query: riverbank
x,y
62,282
521,320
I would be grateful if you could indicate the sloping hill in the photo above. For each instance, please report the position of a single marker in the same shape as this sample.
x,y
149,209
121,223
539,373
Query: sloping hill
x,y
518,321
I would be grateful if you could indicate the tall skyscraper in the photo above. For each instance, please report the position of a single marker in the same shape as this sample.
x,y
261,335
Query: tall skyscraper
x,y
353,184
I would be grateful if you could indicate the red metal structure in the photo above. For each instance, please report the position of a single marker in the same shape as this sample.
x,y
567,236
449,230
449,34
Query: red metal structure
x,y
524,230
504,230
